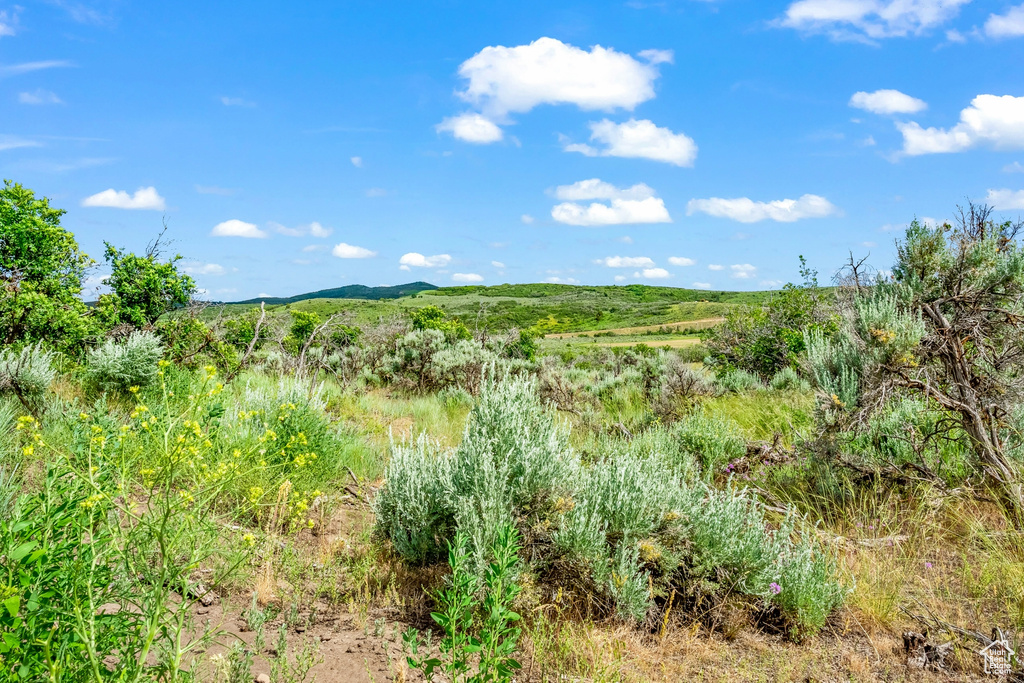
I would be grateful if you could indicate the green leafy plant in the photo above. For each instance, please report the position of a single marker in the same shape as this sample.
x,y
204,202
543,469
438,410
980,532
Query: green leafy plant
x,y
90,575
482,630
144,287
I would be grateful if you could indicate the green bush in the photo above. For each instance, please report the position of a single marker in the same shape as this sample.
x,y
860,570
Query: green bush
x,y
513,456
120,366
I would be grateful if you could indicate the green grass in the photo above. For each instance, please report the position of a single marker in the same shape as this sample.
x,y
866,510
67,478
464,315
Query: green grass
x,y
555,308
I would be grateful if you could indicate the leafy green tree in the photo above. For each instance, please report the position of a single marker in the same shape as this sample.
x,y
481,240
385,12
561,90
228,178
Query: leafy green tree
x,y
764,339
41,271
433,318
304,324
144,287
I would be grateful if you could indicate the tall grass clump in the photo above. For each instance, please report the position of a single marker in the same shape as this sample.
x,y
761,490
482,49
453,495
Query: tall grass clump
x,y
27,374
635,524
120,366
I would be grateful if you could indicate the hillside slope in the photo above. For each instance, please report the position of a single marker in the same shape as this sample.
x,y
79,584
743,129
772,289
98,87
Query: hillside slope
x,y
349,292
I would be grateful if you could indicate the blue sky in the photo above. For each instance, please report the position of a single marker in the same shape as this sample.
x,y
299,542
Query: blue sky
x,y
298,146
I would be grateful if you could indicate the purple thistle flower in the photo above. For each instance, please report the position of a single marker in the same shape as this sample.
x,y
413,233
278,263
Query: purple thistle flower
x,y
927,565
775,588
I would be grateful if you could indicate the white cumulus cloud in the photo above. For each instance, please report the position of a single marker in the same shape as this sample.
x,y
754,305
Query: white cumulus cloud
x,y
701,285
357,162
1009,25
652,273
1005,200
197,268
681,261
715,266
313,229
743,271
625,262
595,188
636,204
342,250
887,102
471,127
527,219
416,260
747,210
498,264
991,120
237,228
620,212
638,139
144,198
467,277
501,80
868,20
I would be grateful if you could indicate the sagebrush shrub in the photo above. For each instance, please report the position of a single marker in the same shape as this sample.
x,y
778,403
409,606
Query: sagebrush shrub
x,y
739,381
120,366
788,379
712,440
27,373
513,456
633,521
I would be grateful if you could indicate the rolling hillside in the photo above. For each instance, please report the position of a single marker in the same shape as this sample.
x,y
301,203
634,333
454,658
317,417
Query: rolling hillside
x,y
553,308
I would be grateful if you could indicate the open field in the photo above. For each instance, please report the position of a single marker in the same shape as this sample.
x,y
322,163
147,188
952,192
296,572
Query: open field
x,y
666,328
550,308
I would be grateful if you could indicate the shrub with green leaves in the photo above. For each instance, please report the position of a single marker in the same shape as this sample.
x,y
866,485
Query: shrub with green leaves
x,y
121,365
514,456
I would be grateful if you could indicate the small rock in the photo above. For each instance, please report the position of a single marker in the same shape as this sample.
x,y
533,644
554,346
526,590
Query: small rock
x,y
300,629
348,650
262,678
325,637
203,610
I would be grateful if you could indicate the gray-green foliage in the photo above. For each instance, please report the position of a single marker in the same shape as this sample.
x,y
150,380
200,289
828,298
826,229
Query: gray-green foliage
x,y
711,440
635,519
836,366
739,381
27,373
788,379
513,456
122,365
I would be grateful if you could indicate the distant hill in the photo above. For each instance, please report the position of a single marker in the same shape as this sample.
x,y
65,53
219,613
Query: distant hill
x,y
349,292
